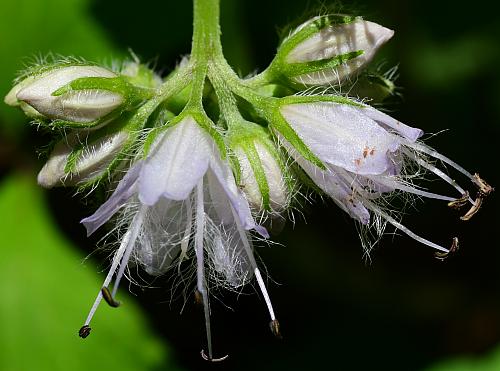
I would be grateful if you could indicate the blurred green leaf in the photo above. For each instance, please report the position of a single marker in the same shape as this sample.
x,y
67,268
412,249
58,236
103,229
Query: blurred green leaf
x,y
46,293
489,362
35,28
441,64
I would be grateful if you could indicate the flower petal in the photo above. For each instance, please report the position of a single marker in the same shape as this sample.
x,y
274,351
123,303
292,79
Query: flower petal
x,y
125,189
410,133
163,231
224,194
176,164
334,185
341,135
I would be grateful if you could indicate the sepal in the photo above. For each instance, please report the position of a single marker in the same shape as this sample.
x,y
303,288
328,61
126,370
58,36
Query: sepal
x,y
259,167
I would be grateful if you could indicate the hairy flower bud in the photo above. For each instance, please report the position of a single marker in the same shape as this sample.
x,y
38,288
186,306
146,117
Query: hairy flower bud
x,y
11,98
81,106
328,50
78,159
261,175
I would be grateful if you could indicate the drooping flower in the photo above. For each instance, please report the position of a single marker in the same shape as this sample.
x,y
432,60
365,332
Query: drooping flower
x,y
363,155
181,198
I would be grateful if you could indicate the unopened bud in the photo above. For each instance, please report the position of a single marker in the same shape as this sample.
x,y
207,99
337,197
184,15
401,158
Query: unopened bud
x,y
327,50
69,165
11,98
261,177
80,106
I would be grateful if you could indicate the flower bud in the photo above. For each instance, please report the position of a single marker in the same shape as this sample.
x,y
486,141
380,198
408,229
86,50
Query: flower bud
x,y
261,175
77,159
328,50
81,106
11,98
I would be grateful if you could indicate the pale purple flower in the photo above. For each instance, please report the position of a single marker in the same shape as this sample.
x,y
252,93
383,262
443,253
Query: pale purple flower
x,y
367,156
182,197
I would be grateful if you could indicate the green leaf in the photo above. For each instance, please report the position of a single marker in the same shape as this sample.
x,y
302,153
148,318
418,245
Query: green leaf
x,y
489,362
46,293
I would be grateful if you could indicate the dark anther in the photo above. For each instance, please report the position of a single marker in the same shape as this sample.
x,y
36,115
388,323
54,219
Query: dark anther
x,y
106,294
207,358
484,190
475,208
84,331
198,297
275,328
459,202
484,187
454,247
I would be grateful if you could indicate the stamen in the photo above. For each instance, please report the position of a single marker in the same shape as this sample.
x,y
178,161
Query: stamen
x,y
136,228
127,241
453,248
428,151
404,229
251,258
460,202
198,243
484,187
198,298
394,183
84,331
106,294
438,172
187,233
484,190
204,356
275,328
263,290
474,209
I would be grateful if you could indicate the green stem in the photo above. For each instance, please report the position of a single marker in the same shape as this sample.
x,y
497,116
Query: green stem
x,y
206,45
227,101
173,85
206,31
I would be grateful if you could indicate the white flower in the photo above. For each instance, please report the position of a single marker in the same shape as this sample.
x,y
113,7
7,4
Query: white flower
x,y
366,156
76,106
338,41
181,198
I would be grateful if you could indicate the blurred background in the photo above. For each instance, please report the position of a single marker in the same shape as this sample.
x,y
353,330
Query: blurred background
x,y
402,309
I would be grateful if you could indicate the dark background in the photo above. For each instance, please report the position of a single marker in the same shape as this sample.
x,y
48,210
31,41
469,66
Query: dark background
x,y
401,309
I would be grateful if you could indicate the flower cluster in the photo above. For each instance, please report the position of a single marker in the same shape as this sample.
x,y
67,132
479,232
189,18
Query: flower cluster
x,y
201,161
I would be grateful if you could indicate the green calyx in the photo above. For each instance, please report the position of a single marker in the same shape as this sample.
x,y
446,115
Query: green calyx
x,y
131,94
292,72
242,139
